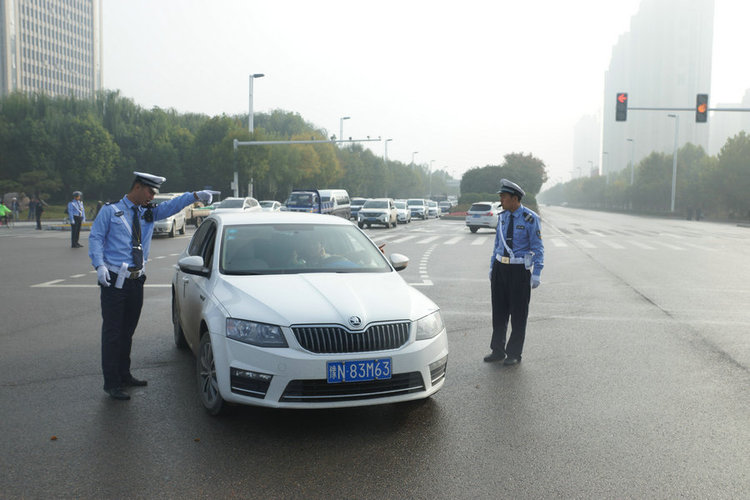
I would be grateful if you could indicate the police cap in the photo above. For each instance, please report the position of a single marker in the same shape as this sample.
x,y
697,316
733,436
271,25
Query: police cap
x,y
510,187
152,181
77,193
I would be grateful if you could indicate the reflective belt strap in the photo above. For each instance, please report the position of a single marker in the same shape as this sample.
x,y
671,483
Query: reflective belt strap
x,y
509,260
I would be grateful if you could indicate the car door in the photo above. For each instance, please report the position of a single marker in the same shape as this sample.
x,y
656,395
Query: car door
x,y
193,286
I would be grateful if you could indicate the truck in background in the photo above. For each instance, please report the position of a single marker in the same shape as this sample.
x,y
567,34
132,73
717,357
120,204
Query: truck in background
x,y
324,201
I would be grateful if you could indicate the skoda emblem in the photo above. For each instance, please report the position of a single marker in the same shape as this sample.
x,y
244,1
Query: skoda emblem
x,y
355,321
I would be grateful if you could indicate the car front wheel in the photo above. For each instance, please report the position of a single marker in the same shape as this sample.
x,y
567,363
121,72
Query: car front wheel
x,y
173,230
208,384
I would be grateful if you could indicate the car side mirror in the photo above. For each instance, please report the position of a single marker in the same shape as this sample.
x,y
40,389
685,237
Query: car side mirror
x,y
192,264
399,262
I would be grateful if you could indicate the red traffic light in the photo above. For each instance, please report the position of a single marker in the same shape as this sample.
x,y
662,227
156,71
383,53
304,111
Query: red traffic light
x,y
701,108
622,98
621,107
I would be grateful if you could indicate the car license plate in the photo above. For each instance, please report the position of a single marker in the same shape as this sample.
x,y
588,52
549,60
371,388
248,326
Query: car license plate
x,y
476,216
358,371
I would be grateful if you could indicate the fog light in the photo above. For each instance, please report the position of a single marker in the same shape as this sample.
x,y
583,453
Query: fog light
x,y
246,374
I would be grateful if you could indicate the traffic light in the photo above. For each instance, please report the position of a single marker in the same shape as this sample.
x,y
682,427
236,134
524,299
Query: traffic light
x,y
622,107
701,108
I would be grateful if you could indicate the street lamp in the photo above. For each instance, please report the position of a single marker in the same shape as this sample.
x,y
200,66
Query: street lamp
x,y
412,157
605,166
385,156
632,164
341,126
430,173
250,126
674,157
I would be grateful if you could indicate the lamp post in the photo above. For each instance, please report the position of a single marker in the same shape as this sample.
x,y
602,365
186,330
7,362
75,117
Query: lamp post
x,y
250,127
341,126
430,174
632,165
412,157
605,166
674,157
385,156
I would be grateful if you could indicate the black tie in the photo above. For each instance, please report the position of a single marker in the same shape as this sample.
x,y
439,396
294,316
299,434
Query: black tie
x,y
509,235
137,250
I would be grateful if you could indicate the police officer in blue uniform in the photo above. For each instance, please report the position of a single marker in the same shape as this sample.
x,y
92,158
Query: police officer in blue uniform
x,y
119,245
77,217
515,268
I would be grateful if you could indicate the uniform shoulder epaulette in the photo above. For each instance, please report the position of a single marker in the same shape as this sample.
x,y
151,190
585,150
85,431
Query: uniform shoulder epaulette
x,y
528,217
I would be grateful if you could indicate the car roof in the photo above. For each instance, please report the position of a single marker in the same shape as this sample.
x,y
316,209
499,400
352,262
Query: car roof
x,y
239,218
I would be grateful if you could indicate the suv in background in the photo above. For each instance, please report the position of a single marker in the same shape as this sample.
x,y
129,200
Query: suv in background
x,y
356,204
174,223
483,214
378,211
404,214
418,207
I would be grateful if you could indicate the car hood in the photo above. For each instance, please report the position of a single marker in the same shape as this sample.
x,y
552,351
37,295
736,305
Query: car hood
x,y
321,298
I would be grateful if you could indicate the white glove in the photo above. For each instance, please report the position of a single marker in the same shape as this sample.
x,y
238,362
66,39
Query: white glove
x,y
535,281
205,196
102,275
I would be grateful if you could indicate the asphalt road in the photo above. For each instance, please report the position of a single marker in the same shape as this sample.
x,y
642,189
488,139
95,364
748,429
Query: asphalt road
x,y
634,381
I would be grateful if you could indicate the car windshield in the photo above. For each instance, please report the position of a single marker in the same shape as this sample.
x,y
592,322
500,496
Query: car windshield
x,y
232,203
298,248
300,199
266,204
400,204
376,204
415,202
358,202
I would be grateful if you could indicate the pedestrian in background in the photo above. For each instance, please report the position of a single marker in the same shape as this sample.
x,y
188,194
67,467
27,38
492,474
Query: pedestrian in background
x,y
119,244
77,216
15,208
515,268
39,205
32,209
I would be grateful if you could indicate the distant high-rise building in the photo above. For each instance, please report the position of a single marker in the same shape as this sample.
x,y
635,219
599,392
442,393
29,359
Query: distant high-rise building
x,y
727,125
664,61
51,46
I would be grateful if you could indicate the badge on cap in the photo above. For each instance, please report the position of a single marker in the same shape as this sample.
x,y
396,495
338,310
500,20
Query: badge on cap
x,y
152,181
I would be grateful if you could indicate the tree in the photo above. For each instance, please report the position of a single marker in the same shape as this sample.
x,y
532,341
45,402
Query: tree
x,y
733,179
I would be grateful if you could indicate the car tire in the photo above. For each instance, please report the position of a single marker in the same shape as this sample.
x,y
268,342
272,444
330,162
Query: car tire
x,y
179,334
183,228
473,229
361,224
208,384
173,230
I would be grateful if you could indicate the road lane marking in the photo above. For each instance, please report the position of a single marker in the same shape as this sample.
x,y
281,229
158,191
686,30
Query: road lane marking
x,y
671,247
405,238
479,240
453,241
641,245
428,240
585,244
558,243
612,244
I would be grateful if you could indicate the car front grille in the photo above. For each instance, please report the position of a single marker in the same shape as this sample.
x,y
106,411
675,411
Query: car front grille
x,y
320,391
372,215
336,339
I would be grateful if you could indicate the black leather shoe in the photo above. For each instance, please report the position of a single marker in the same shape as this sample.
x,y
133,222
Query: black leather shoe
x,y
78,245
117,393
511,361
134,382
495,356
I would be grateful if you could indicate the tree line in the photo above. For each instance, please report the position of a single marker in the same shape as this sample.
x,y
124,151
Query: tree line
x,y
714,186
52,146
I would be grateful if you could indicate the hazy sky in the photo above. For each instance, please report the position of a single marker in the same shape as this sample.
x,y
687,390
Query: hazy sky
x,y
463,83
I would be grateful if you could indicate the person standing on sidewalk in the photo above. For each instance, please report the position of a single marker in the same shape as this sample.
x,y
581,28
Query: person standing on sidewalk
x,y
39,205
515,268
119,244
77,217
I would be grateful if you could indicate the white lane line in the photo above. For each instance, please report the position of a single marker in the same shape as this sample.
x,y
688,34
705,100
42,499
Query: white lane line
x,y
479,240
558,243
428,240
405,238
612,244
453,241
671,247
78,275
585,244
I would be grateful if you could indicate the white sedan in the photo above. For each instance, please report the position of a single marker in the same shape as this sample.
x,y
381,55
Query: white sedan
x,y
299,310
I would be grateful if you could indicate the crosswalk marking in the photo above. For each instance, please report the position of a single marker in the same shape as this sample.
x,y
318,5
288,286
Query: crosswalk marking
x,y
558,243
585,243
671,247
453,241
428,240
612,244
479,240
641,245
405,238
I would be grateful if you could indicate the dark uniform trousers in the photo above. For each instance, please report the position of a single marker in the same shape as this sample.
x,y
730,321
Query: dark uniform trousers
x,y
75,230
121,309
511,292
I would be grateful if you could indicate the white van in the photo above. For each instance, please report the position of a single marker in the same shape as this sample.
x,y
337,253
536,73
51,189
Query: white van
x,y
341,203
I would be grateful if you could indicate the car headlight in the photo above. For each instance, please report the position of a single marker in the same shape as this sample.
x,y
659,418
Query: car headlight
x,y
259,334
429,326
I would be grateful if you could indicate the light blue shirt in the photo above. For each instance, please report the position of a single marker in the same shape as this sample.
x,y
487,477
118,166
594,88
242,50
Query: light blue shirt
x,y
527,236
110,240
75,209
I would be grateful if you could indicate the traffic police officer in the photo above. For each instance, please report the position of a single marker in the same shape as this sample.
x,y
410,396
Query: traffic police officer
x,y
515,268
119,245
77,216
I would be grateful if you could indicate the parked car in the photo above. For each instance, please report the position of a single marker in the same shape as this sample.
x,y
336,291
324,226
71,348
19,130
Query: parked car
x,y
483,214
418,207
337,344
270,205
432,209
174,223
404,214
247,204
356,204
378,211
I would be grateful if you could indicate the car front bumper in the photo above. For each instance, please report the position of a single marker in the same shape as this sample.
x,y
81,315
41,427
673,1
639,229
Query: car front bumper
x,y
295,378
